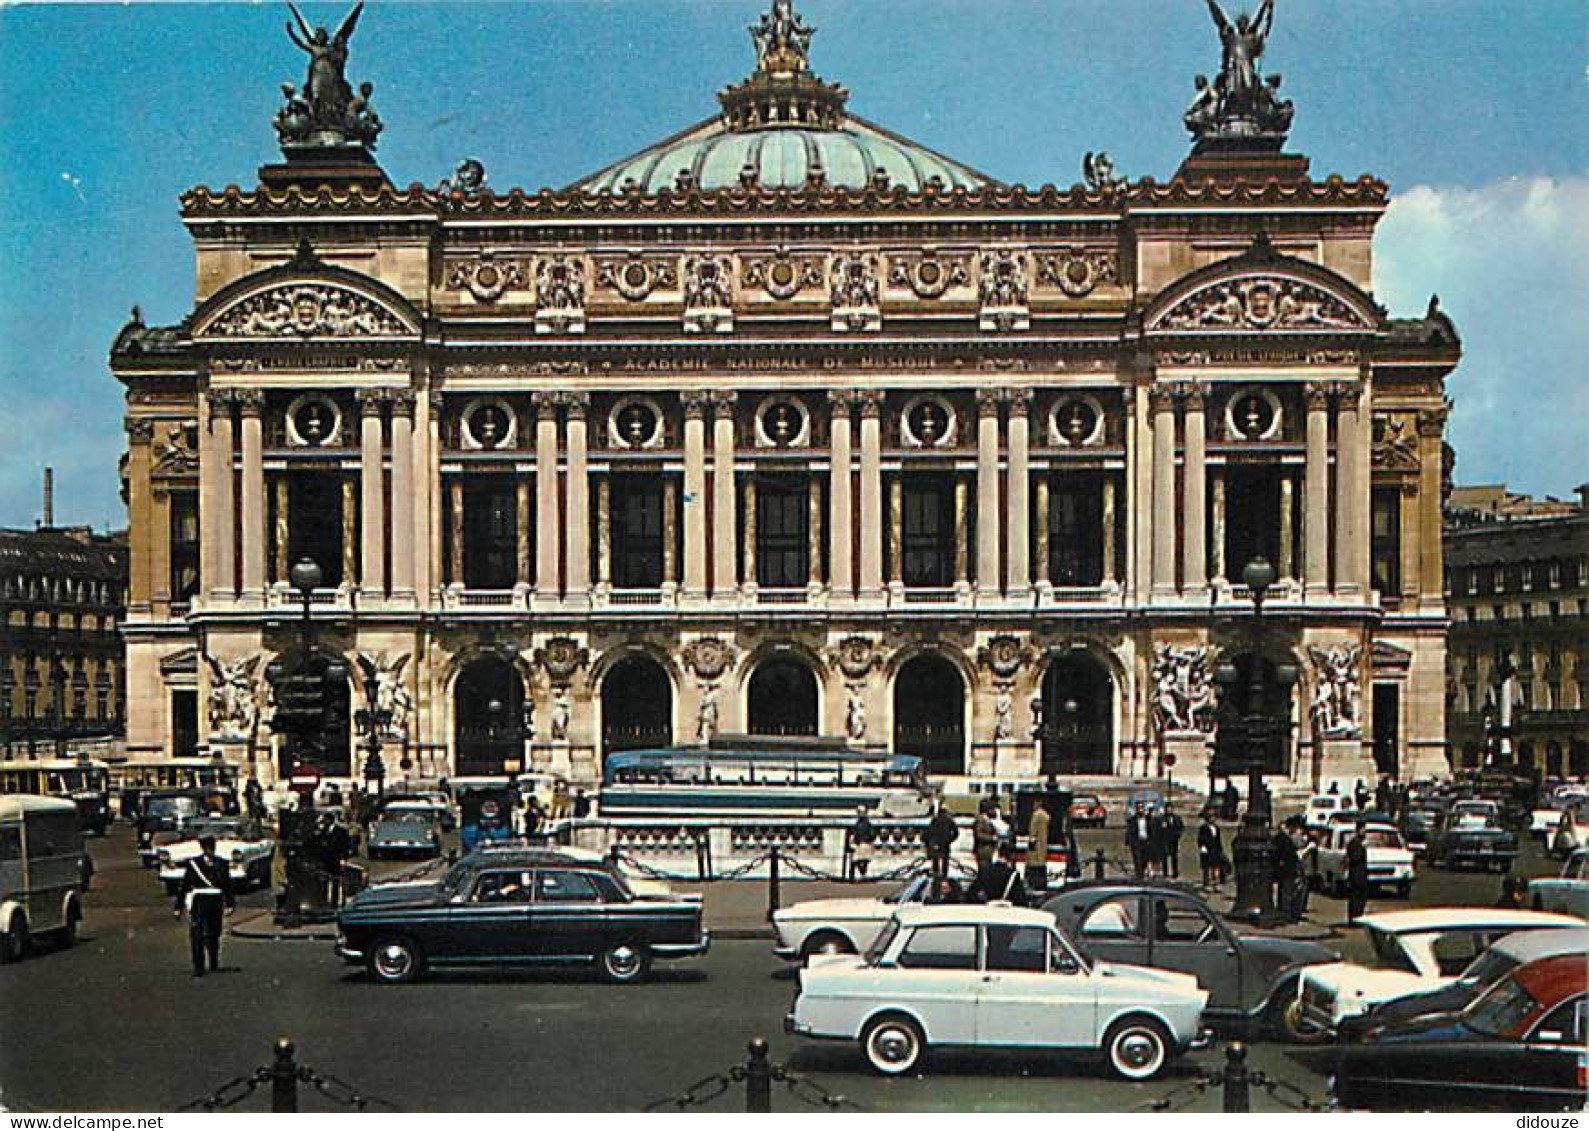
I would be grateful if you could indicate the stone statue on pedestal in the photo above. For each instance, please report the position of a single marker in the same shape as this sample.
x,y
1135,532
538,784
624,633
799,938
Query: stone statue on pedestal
x,y
326,113
1240,104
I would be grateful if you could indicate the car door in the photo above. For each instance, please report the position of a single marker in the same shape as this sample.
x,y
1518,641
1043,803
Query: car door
x,y
492,919
1186,939
938,980
568,919
1113,930
1033,993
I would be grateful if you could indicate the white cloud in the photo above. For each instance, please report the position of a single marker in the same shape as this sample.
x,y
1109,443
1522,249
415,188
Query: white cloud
x,y
1510,262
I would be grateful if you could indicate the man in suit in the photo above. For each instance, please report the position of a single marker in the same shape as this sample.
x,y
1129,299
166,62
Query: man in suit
x,y
940,836
1356,876
1171,828
1037,854
1139,839
999,882
205,892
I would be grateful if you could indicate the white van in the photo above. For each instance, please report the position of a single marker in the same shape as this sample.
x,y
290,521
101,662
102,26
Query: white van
x,y
41,872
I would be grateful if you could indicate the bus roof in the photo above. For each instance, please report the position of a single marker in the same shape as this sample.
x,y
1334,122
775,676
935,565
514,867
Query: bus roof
x,y
14,805
53,764
192,761
783,753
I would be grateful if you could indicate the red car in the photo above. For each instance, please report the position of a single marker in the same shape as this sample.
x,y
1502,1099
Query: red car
x,y
1086,810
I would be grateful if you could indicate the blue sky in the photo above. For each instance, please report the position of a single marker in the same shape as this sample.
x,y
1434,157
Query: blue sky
x,y
1476,112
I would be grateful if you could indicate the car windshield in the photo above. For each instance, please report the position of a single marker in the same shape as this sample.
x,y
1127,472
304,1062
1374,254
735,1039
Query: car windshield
x,y
1499,1011
1088,799
1488,968
1382,838
171,807
880,945
406,817
912,892
220,830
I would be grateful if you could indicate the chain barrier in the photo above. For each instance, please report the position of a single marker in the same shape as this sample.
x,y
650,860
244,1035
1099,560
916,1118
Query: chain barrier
x,y
1179,1098
696,1095
812,1094
341,1092
284,1077
757,1075
651,871
1294,1098
1235,1079
229,1094
747,869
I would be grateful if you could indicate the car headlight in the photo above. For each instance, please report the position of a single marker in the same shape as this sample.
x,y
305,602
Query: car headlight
x,y
163,856
237,854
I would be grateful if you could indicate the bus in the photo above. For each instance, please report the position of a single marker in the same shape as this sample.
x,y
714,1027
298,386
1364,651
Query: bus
x,y
212,780
82,781
756,776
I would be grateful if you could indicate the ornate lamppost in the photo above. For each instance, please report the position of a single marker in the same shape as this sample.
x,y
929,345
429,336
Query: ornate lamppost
x,y
1258,728
373,723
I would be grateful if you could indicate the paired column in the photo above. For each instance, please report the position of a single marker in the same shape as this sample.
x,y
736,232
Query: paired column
x,y
143,582
750,531
431,462
871,401
988,492
250,409
841,551
694,494
1108,527
283,532
725,555
1139,490
1162,403
1040,566
604,533
1017,552
548,516
1431,457
578,525
523,546
1351,497
1316,490
455,532
372,521
218,565
1194,540
403,502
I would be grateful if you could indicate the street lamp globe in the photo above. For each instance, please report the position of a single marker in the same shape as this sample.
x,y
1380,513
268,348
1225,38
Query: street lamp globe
x,y
1258,575
305,575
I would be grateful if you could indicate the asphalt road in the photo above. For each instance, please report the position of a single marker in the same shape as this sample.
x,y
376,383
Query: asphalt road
x,y
118,1023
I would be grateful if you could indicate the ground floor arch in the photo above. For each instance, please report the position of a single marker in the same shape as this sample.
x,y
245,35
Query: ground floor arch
x,y
636,705
1076,734
929,713
488,717
781,699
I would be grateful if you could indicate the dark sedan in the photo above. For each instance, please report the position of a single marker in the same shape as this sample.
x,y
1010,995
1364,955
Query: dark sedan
x,y
1519,1047
1471,840
1248,974
516,907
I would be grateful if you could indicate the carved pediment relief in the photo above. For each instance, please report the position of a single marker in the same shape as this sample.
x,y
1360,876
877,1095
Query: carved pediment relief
x,y
1261,303
1395,443
305,310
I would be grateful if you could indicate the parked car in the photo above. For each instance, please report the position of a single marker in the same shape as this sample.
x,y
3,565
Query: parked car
x,y
404,831
641,886
41,870
1471,839
1506,955
1542,821
1087,811
840,926
1247,973
1322,806
167,811
434,804
1418,824
974,975
1389,859
1567,893
238,840
515,907
1572,831
1518,1047
1422,949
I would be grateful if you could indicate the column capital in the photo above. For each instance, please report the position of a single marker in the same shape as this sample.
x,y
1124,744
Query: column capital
x,y
402,402
1432,422
723,400
988,401
1020,400
438,401
250,402
1194,394
1162,396
1317,395
370,401
694,401
578,405
140,429
220,404
871,402
1347,394
545,403
841,400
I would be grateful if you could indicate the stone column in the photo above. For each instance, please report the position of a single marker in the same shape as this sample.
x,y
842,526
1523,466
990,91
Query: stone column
x,y
405,533
814,573
455,531
1431,468
432,407
1164,501
216,509
1139,491
1109,527
896,530
1216,549
604,533
725,556
1194,564
841,541
988,492
578,518
1040,566
1362,482
1287,567
750,530
962,533
372,518
250,409
694,494
283,529
1316,490
143,584
350,533
158,560
1347,504
1409,519
1018,552
670,534
524,551
548,509
871,493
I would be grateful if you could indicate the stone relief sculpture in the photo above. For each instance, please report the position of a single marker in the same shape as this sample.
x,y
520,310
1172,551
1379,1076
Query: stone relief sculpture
x,y
856,656
560,715
1003,715
1336,709
709,658
783,40
855,716
1240,104
1261,304
560,294
234,699
1003,655
386,690
1036,707
854,292
326,113
306,310
706,715
468,178
1098,172
1183,691
561,657
1003,291
708,295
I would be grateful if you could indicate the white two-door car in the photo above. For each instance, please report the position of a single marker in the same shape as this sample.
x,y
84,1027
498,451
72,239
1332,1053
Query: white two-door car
x,y
840,926
238,841
1568,893
1389,859
1417,950
968,975
1543,820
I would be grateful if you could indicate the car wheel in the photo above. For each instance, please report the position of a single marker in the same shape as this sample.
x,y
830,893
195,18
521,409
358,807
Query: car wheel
x,y
395,961
68,933
826,943
893,1045
1137,1047
14,946
625,963
1404,888
1293,1025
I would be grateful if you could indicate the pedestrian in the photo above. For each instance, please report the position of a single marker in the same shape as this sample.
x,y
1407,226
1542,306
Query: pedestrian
x,y
356,811
1514,894
1139,836
1356,875
1382,796
1286,867
1360,796
1335,788
205,893
1296,893
1172,829
581,805
939,838
254,799
862,837
1211,851
534,816
1037,851
1227,809
945,889
985,833
999,882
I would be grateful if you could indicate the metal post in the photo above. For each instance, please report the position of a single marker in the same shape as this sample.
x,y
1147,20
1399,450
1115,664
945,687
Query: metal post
x,y
1236,1081
772,882
1099,864
284,1078
758,1077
